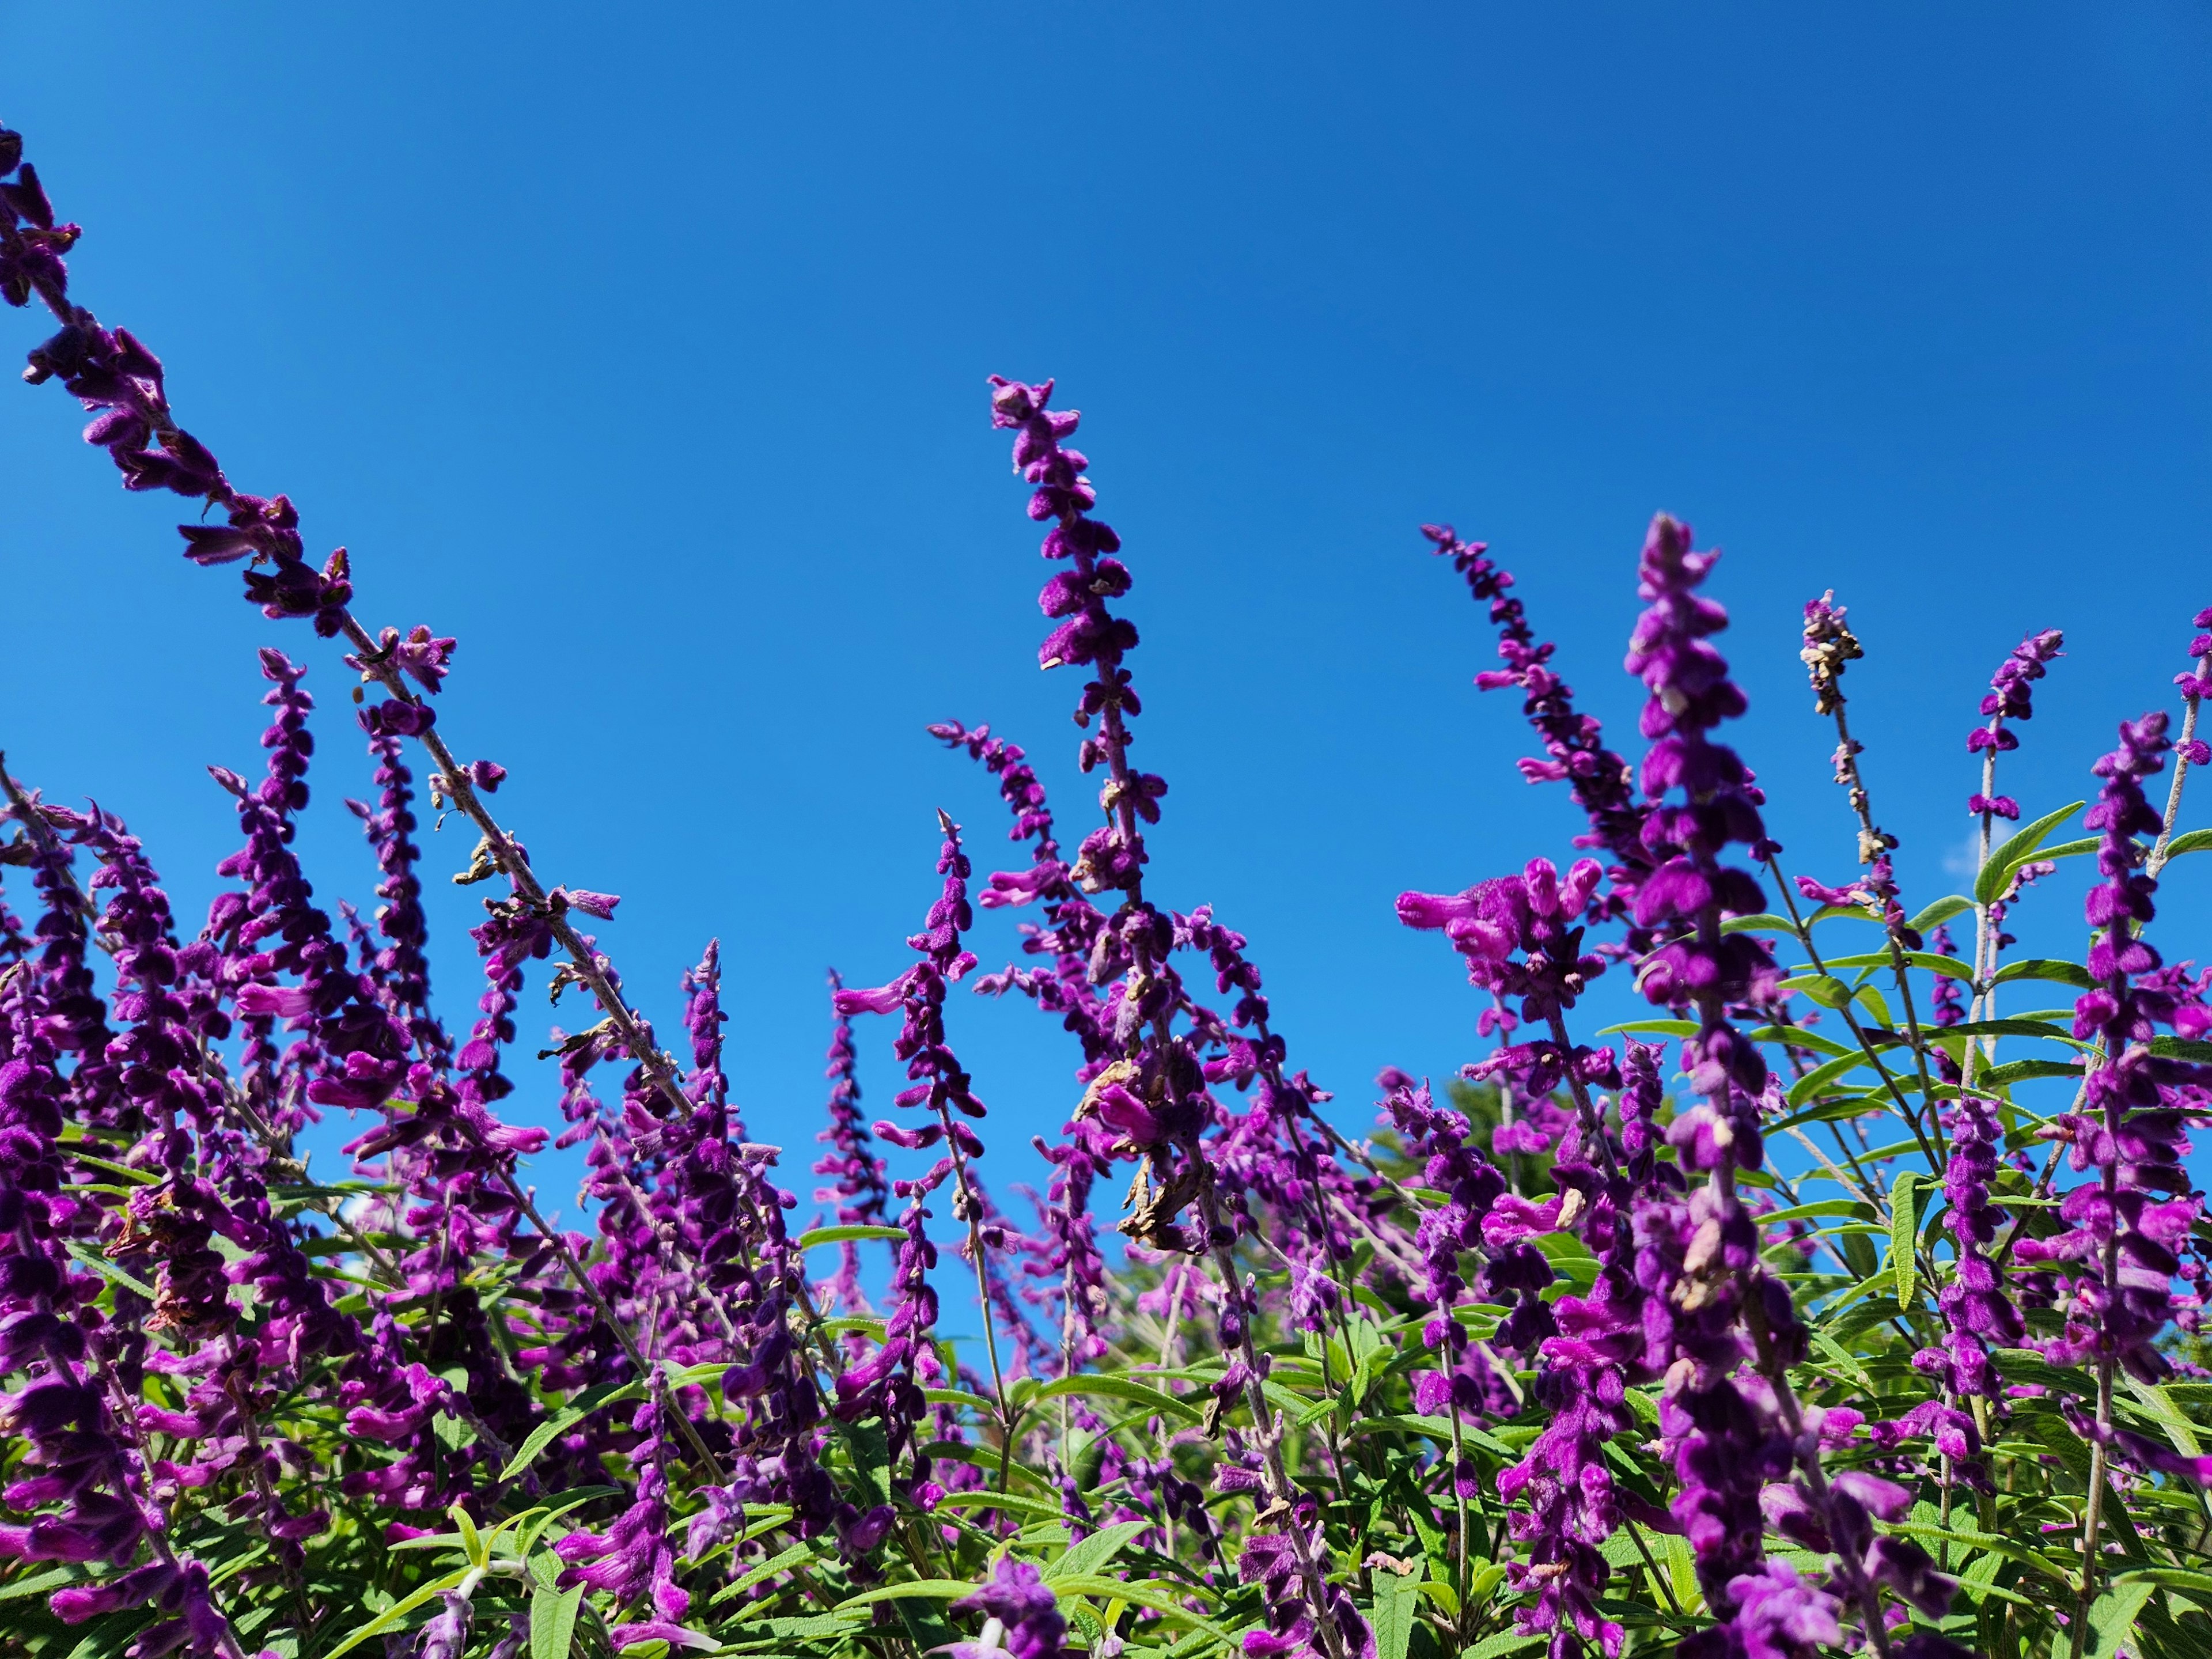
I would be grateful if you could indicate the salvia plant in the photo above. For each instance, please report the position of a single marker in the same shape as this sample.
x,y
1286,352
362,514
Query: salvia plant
x,y
1840,1304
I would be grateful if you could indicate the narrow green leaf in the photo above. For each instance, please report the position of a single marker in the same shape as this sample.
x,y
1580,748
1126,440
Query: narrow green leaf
x,y
2112,1618
1824,988
2059,972
472,1543
2016,847
1145,1595
1120,1387
807,1240
2161,1405
767,1569
1653,1028
38,1583
2026,1028
1939,913
1849,1206
959,1397
1820,1076
1763,923
553,1621
1949,967
1091,1555
2193,841
934,1590
106,1269
2068,849
540,1438
1396,1601
398,1610
2021,1071
120,1172
1797,1036
2174,1048
1903,1234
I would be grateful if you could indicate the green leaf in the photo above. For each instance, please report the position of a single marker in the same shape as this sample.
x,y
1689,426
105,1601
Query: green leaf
x,y
1506,1642
933,1589
2069,849
1145,1595
2058,971
120,1172
767,1569
2112,1618
2194,840
845,1235
1949,967
1939,913
1763,923
398,1610
1091,1555
1903,1264
1679,1028
472,1543
2160,1404
540,1438
1797,1036
816,1628
2027,1028
1824,988
38,1583
553,1621
959,1397
106,1269
2174,1048
1120,1387
1822,1075
2020,1071
1396,1600
1997,871
1851,1207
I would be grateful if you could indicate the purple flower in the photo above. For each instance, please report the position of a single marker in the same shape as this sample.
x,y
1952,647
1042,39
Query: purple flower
x,y
1020,1616
2011,697
861,1187
1599,779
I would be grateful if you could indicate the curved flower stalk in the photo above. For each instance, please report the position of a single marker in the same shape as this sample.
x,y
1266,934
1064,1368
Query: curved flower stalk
x,y
113,374
1601,781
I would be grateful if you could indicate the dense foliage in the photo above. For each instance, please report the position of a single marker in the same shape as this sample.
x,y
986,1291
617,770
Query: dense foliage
x,y
1834,1306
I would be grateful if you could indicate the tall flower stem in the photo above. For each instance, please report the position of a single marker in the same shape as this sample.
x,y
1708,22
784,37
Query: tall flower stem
x,y
1274,1477
2193,697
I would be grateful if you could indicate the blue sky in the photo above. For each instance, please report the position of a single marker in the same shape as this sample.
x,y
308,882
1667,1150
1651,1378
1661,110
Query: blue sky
x,y
645,350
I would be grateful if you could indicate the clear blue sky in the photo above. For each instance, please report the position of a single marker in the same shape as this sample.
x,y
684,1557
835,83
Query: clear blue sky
x,y
644,349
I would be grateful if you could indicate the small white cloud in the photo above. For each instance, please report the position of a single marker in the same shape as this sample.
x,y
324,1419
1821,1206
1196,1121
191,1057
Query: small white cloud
x,y
1962,859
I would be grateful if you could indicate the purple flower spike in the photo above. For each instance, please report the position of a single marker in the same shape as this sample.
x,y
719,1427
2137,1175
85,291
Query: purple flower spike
x,y
2010,697
859,1185
1600,781
1088,634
